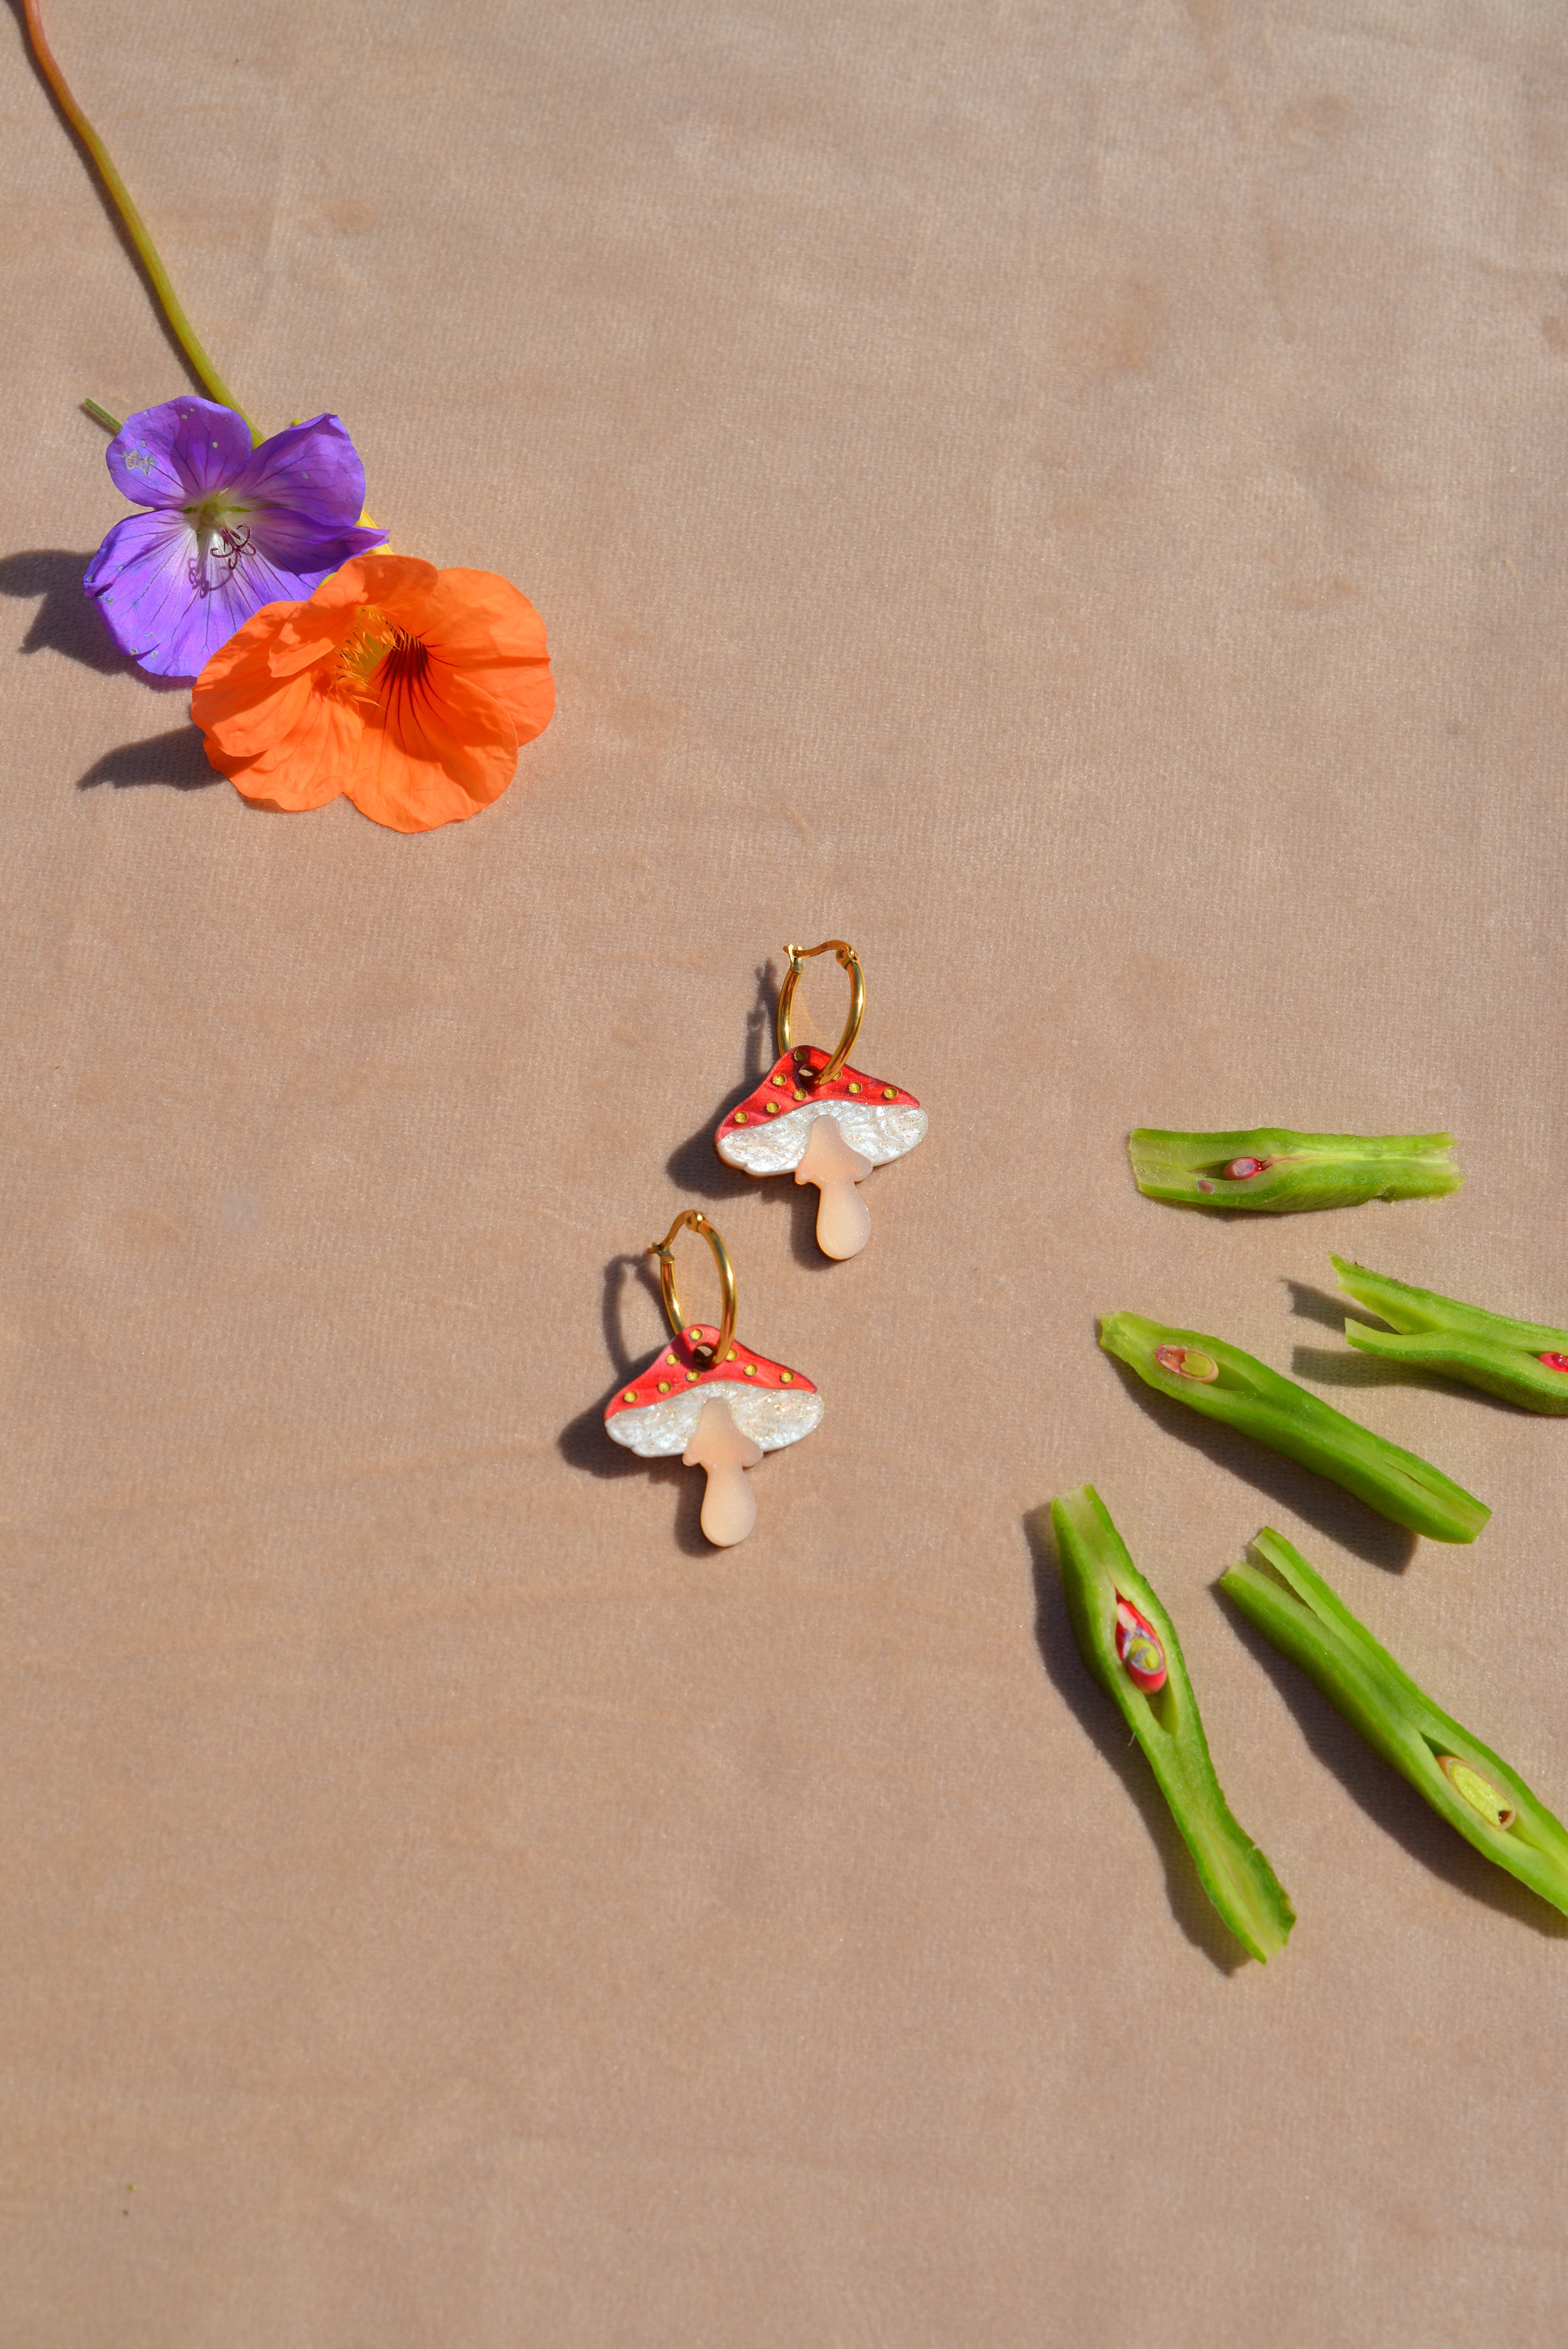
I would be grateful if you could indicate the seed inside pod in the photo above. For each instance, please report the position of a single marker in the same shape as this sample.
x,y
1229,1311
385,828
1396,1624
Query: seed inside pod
x,y
1478,1791
1188,1363
1240,1169
1138,1645
1552,1362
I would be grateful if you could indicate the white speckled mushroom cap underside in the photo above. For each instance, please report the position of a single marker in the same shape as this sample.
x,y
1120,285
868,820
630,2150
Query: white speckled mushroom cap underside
x,y
657,1413
768,1134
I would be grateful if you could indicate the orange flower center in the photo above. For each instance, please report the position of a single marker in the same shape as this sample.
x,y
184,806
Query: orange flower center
x,y
379,659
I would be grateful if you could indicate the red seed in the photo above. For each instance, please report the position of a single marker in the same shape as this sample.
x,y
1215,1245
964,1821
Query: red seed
x,y
1240,1169
1554,1362
1138,1647
1187,1362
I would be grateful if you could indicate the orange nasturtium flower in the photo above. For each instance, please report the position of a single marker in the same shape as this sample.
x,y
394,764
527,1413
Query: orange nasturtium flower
x,y
406,688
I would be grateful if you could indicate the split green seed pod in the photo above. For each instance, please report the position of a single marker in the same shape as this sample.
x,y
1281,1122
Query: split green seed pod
x,y
1279,1173
1525,1363
1097,1572
1474,1789
1245,1392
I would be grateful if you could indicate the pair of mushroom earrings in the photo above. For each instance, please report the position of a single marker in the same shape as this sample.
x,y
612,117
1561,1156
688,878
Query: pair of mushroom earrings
x,y
708,1397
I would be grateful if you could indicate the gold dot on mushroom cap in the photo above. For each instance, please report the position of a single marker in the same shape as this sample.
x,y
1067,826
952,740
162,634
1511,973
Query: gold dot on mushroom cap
x,y
691,1378
788,1377
671,1360
779,1081
853,1087
664,1386
890,1093
772,1108
741,1117
630,1395
730,1356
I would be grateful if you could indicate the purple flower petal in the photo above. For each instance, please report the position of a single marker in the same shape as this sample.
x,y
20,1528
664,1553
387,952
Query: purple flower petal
x,y
171,604
179,451
274,522
305,549
141,580
314,468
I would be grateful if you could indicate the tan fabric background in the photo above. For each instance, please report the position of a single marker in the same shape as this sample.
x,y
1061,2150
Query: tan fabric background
x,y
1071,497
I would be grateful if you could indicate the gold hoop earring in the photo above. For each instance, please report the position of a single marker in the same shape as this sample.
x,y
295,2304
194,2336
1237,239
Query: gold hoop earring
x,y
713,1399
817,1118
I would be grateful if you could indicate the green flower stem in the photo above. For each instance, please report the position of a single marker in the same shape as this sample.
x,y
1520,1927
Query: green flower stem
x,y
1095,1570
136,227
1294,1172
1294,1608
1439,1333
1222,1382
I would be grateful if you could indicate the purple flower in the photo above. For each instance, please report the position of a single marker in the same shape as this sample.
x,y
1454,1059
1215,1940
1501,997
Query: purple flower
x,y
230,528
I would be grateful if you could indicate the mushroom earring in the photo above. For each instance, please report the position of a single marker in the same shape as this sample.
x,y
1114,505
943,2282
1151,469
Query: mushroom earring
x,y
815,1116
711,1399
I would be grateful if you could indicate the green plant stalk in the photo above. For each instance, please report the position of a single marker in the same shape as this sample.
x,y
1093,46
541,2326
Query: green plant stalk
x,y
1438,1333
1245,1393
1298,1171
136,227
1234,1874
1294,1608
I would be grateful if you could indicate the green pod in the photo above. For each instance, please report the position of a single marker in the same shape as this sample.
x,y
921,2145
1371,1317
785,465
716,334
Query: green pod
x,y
1222,1382
1473,1788
1096,1572
1524,1362
1285,1174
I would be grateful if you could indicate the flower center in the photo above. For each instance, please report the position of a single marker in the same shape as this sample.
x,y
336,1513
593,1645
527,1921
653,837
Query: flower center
x,y
223,535
379,658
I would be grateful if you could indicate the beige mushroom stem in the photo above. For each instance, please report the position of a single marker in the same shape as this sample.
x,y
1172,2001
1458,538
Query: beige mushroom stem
x,y
728,1509
843,1218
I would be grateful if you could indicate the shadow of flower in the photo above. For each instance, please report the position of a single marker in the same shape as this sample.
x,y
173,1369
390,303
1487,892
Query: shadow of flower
x,y
176,761
67,620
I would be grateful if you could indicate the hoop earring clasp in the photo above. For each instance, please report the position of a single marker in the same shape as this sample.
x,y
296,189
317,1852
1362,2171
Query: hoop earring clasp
x,y
694,1220
848,960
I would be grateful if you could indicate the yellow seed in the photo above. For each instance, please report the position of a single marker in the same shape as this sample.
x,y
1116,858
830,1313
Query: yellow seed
x,y
1478,1791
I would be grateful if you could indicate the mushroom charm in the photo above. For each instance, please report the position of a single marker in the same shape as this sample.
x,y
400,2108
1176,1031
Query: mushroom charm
x,y
714,1401
817,1118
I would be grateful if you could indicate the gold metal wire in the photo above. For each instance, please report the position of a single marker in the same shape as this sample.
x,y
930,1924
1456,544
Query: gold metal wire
x,y
848,960
694,1220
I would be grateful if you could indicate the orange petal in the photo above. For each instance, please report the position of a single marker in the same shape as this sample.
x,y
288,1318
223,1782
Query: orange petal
x,y
288,742
383,580
484,625
433,754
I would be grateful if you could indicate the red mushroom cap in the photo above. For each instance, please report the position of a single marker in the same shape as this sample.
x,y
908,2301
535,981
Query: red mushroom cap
x,y
683,1364
792,1081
